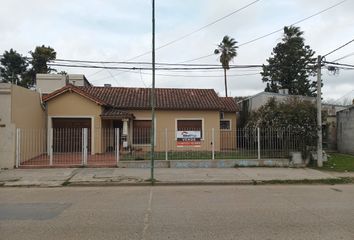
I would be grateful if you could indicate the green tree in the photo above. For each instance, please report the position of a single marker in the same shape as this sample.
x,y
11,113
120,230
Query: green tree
x,y
40,58
290,65
13,67
227,50
295,114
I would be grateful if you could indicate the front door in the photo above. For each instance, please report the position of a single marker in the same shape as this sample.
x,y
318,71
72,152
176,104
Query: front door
x,y
118,124
67,134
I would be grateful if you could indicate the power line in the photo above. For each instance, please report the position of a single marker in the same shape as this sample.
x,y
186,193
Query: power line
x,y
345,56
245,71
132,63
198,58
276,31
204,76
339,64
197,30
149,68
338,48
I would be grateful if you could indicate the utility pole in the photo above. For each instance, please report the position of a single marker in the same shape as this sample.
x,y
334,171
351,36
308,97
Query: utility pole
x,y
152,97
319,113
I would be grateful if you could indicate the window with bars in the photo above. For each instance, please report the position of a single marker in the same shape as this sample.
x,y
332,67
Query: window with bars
x,y
225,124
141,131
190,125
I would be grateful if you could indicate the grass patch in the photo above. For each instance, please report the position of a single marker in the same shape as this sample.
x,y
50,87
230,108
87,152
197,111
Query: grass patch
x,y
202,155
339,162
327,181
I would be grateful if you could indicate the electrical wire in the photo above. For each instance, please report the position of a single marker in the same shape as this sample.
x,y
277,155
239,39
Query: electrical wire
x,y
338,48
345,56
339,64
197,30
149,68
204,76
275,31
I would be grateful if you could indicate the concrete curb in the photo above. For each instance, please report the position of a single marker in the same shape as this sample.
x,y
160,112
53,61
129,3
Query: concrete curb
x,y
336,181
157,183
321,181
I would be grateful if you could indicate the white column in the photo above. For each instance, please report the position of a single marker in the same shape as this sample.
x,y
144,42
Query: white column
x,y
51,134
125,127
166,145
259,143
117,145
213,143
18,149
84,145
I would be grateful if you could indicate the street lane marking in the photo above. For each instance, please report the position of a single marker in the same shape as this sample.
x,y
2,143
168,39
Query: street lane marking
x,y
147,216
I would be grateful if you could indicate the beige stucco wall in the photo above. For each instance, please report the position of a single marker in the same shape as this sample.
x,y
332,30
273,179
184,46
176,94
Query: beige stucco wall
x,y
72,105
28,114
20,108
47,83
26,109
228,138
167,120
7,129
5,103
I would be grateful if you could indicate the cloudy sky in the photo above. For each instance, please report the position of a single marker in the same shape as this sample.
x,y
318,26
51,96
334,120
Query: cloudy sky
x,y
117,30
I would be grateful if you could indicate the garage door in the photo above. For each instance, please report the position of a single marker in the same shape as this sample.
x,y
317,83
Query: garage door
x,y
67,134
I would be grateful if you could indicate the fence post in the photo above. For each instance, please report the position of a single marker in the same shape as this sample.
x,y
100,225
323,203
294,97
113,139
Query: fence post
x,y
212,143
259,143
17,147
117,145
166,145
51,147
84,146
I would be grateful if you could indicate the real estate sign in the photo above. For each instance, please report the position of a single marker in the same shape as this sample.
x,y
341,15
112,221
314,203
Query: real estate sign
x,y
188,138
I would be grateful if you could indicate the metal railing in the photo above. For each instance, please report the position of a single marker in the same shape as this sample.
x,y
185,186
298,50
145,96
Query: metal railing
x,y
108,146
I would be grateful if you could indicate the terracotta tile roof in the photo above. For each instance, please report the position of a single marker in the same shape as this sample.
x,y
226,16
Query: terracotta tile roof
x,y
139,98
110,113
229,104
166,98
69,88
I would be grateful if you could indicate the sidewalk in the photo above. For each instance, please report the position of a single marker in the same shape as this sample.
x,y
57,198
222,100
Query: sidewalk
x,y
134,176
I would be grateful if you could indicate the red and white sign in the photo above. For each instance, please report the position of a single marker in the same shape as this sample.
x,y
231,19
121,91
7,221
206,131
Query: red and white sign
x,y
188,138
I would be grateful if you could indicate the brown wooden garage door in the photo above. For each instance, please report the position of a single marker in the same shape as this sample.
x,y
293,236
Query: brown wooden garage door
x,y
67,134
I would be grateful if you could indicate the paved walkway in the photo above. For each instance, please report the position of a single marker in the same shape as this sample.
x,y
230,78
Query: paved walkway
x,y
124,176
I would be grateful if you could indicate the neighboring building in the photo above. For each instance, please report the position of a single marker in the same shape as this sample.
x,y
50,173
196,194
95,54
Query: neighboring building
x,y
345,132
330,126
19,108
254,102
48,83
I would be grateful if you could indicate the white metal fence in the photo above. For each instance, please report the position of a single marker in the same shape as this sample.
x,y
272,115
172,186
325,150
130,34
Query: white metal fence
x,y
83,146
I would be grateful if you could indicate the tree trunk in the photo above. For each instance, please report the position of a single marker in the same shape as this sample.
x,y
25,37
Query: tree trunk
x,y
225,82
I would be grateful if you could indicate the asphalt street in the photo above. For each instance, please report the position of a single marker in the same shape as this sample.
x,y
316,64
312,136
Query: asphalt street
x,y
178,212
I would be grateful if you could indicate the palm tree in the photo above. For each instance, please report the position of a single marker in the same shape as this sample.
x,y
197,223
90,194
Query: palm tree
x,y
227,50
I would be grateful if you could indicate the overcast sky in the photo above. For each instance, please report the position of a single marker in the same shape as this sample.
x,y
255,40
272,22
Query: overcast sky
x,y
117,30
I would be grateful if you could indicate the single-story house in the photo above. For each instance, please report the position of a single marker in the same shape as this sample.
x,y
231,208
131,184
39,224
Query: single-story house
x,y
46,119
66,114
178,111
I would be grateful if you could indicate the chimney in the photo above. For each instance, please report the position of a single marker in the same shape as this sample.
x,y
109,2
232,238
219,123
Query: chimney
x,y
107,85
